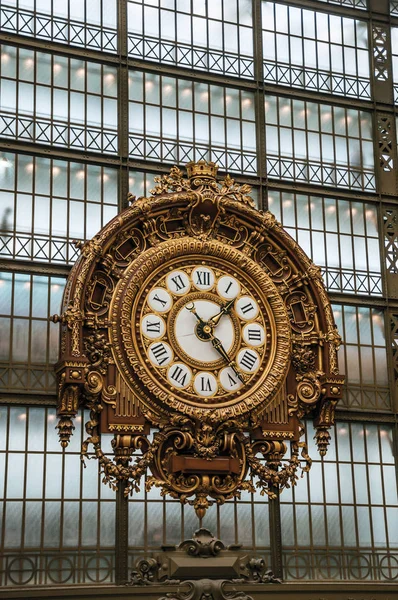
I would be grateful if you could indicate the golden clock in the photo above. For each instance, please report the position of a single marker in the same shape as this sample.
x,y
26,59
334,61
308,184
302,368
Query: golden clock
x,y
196,315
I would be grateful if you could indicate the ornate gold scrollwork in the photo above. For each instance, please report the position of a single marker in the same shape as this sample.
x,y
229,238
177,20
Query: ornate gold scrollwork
x,y
97,350
308,388
72,318
274,261
198,460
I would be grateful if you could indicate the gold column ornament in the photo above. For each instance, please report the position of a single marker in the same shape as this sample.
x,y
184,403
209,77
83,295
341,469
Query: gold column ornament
x,y
196,315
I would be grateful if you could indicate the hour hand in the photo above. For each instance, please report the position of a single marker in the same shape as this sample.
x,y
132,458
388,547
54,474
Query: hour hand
x,y
224,310
191,308
217,344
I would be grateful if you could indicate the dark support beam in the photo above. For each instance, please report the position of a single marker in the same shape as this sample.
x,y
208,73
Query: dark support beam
x,y
275,533
395,449
122,535
259,99
379,7
42,45
34,268
58,153
122,506
123,103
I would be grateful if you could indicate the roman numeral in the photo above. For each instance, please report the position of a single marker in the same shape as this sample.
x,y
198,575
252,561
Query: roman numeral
x,y
247,308
153,327
232,381
248,360
162,302
254,334
205,384
179,376
178,282
228,286
202,278
160,353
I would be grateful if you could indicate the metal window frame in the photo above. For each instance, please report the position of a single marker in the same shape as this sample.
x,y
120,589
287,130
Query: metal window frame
x,y
386,192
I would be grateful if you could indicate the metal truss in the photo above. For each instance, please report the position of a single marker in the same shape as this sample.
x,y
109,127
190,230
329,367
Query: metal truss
x,y
125,51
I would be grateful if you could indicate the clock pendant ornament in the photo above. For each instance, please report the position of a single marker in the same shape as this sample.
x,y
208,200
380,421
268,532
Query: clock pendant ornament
x,y
194,314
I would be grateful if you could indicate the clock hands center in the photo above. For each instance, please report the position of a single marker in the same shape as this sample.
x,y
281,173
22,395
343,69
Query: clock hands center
x,y
208,326
204,331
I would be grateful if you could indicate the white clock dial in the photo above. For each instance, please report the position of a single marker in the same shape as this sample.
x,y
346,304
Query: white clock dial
x,y
203,278
229,380
160,300
248,360
228,287
178,283
185,331
203,332
246,308
205,384
253,334
179,375
160,354
153,326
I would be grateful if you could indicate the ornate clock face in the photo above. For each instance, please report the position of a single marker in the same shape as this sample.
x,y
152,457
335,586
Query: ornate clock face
x,y
200,330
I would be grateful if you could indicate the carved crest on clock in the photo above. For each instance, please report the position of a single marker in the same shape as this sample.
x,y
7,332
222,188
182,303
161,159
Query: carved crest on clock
x,y
195,315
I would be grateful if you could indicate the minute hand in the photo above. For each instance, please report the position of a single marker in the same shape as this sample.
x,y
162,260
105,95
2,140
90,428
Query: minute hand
x,y
224,310
217,344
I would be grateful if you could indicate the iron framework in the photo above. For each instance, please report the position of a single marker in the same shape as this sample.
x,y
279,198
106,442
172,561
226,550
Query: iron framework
x,y
118,159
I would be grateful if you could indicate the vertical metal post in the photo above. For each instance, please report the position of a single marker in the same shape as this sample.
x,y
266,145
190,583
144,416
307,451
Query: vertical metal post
x,y
383,95
122,505
123,104
122,535
395,446
259,100
274,516
275,534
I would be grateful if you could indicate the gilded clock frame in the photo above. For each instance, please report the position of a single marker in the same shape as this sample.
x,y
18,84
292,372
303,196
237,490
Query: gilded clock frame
x,y
201,454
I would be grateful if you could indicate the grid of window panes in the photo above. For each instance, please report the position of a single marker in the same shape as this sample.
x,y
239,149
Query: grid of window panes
x,y
200,97
28,340
46,203
57,520
341,236
214,36
315,50
81,23
177,120
319,143
156,521
363,357
341,523
59,101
